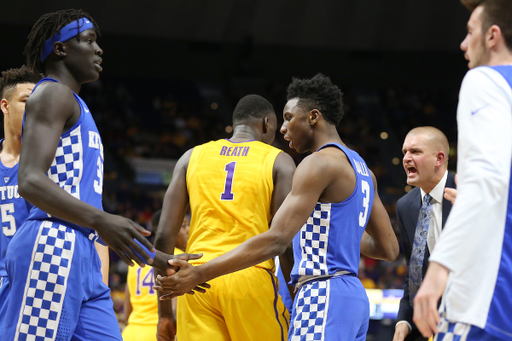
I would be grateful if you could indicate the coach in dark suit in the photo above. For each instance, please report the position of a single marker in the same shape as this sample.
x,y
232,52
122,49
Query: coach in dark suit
x,y
421,214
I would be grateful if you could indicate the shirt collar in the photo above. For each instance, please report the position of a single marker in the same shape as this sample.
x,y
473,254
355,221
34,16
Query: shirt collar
x,y
438,192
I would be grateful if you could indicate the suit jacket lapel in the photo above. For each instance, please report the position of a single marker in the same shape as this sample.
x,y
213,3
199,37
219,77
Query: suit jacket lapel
x,y
447,205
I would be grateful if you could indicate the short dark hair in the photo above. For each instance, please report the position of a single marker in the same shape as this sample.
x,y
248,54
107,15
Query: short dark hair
x,y
318,93
496,12
12,77
45,28
251,106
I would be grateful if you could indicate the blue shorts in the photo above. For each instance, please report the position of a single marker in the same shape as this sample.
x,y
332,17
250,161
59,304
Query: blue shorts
x,y
4,292
284,292
57,292
458,331
332,309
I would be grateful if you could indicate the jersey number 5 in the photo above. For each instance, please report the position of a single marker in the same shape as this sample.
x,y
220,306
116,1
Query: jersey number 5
x,y
366,200
228,184
10,228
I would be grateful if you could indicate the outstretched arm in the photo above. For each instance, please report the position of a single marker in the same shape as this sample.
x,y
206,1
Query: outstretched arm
x,y
173,211
309,182
284,168
51,110
379,240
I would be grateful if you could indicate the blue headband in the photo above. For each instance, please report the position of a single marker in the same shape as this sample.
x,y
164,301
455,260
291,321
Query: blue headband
x,y
67,32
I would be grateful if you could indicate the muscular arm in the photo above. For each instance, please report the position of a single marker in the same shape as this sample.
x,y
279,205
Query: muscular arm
x,y
174,209
50,110
309,182
379,240
284,168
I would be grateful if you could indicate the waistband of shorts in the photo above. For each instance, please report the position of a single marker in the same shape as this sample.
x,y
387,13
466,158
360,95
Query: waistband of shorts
x,y
307,279
89,233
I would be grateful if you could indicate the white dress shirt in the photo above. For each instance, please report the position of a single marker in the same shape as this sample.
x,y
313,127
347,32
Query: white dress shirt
x,y
435,226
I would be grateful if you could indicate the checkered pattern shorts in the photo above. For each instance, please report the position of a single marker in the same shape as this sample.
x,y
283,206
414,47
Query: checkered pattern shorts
x,y
67,166
449,331
314,237
46,284
311,312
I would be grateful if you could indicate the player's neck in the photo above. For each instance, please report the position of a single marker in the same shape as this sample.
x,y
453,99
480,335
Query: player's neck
x,y
504,58
244,133
328,135
61,74
11,149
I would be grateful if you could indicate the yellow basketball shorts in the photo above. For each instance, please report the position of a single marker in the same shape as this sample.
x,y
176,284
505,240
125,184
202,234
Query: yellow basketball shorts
x,y
241,306
139,332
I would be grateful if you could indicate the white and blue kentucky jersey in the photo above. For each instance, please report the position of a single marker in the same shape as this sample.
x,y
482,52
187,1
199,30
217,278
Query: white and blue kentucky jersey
x,y
13,209
78,165
476,242
330,239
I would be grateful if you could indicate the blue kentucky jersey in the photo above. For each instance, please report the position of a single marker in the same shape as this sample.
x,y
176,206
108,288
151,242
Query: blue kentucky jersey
x,y
78,165
13,208
330,239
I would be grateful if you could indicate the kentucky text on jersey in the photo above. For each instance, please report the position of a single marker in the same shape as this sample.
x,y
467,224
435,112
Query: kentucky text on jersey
x,y
234,151
9,192
95,142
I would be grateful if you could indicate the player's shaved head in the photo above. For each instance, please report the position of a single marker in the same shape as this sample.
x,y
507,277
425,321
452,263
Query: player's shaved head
x,y
252,107
435,139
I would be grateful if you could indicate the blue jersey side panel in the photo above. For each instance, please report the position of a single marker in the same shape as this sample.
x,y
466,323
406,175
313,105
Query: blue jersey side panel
x,y
78,165
13,209
499,319
330,239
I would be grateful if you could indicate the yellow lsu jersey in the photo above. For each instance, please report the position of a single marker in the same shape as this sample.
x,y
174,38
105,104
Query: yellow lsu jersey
x,y
143,297
230,189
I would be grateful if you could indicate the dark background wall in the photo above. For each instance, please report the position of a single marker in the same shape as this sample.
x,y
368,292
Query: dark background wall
x,y
355,42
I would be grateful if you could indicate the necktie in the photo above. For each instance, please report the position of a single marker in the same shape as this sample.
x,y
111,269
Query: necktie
x,y
418,249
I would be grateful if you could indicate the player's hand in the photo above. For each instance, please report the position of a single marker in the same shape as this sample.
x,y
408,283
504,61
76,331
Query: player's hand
x,y
172,269
185,281
161,262
166,329
401,331
119,234
426,315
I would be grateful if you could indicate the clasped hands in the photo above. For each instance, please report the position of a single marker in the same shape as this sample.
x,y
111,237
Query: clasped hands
x,y
180,278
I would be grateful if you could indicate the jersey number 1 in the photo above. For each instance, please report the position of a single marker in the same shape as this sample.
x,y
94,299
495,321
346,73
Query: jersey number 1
x,y
228,184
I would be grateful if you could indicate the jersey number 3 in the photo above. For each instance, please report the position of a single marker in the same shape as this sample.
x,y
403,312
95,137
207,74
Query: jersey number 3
x,y
365,188
228,184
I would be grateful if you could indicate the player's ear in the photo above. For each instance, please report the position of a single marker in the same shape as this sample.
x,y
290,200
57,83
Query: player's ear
x,y
492,36
59,49
314,116
4,104
266,125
